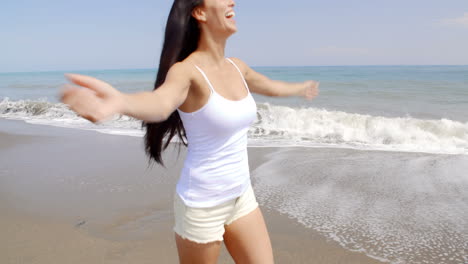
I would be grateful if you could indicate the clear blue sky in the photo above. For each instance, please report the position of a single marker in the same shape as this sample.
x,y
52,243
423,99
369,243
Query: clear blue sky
x,y
89,34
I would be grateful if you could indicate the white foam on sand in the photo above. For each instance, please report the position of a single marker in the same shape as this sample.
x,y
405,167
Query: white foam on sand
x,y
395,207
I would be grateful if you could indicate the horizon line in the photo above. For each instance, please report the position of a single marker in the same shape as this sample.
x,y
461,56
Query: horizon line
x,y
287,66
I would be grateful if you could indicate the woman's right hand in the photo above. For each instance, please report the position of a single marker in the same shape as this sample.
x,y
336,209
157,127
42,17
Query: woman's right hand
x,y
93,99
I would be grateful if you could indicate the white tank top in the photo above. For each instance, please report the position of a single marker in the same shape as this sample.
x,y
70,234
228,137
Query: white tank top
x,y
216,167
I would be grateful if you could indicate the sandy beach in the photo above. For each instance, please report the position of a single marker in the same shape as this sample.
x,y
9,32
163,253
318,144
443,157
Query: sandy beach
x,y
74,196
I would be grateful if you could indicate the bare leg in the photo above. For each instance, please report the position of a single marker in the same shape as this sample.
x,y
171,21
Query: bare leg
x,y
194,253
247,239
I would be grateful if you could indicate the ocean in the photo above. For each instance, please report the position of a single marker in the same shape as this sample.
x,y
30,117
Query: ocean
x,y
396,108
377,162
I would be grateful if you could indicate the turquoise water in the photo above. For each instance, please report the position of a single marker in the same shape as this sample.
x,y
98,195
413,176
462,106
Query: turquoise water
x,y
404,108
392,91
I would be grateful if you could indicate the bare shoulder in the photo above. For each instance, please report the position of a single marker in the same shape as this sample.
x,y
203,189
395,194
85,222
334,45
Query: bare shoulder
x,y
180,72
180,68
244,68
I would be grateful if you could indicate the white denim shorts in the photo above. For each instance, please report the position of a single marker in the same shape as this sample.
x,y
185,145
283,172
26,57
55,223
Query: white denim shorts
x,y
204,225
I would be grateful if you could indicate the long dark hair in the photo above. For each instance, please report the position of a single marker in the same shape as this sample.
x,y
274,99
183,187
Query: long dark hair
x,y
180,40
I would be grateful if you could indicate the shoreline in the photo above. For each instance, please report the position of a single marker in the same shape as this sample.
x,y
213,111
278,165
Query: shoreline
x,y
76,196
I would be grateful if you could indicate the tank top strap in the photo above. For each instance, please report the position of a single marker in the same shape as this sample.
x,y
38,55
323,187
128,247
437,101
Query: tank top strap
x,y
243,79
206,78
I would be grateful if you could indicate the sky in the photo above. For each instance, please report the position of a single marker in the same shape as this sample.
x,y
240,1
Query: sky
x,y
50,35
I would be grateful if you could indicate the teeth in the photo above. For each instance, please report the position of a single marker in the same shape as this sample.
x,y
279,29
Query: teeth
x,y
230,14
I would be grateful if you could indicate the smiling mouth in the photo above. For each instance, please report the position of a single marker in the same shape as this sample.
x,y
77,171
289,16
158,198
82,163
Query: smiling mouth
x,y
230,14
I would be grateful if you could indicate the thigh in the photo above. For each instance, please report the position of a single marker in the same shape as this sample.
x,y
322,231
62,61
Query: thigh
x,y
194,253
247,239
199,231
200,225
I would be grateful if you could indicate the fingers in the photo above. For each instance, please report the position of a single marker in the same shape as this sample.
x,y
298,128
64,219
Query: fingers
x,y
82,101
313,90
66,91
315,84
88,82
94,119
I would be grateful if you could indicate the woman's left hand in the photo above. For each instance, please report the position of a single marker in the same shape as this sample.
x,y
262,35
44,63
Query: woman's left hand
x,y
310,89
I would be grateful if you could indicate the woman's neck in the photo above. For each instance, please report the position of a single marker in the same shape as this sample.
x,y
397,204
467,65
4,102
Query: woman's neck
x,y
212,48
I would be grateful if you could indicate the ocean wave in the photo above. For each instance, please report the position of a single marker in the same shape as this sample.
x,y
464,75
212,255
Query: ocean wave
x,y
285,126
58,114
323,126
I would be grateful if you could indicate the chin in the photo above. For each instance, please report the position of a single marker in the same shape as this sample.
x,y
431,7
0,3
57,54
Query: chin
x,y
232,31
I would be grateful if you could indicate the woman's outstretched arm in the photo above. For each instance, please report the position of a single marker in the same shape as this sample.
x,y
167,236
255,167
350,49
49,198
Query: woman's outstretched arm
x,y
97,101
259,83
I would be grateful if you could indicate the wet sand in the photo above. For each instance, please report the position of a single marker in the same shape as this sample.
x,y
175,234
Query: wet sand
x,y
74,196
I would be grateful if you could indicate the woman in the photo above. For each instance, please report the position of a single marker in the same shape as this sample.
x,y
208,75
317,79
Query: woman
x,y
205,98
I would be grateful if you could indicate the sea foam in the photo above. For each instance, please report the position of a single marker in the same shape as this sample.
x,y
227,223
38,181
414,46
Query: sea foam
x,y
393,206
285,126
